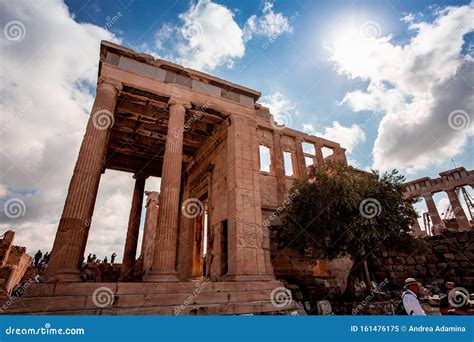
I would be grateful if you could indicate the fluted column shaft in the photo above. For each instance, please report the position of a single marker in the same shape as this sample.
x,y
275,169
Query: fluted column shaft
x,y
461,219
433,211
149,231
164,259
130,249
71,236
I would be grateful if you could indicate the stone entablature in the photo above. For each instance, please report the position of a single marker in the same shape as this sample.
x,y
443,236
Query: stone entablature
x,y
167,72
450,181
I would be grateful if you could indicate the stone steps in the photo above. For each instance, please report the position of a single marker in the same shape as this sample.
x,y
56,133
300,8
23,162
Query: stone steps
x,y
219,298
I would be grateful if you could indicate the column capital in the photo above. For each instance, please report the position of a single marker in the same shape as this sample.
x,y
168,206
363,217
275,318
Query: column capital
x,y
173,101
153,197
451,190
110,82
427,195
140,175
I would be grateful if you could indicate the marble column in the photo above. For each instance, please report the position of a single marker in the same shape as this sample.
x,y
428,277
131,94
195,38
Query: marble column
x,y
434,215
131,241
71,237
149,231
301,172
164,259
461,219
319,154
279,167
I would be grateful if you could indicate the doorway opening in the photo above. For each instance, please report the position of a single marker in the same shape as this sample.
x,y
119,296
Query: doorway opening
x,y
200,240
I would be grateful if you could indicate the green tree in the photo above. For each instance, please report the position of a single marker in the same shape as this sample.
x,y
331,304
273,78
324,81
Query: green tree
x,y
340,210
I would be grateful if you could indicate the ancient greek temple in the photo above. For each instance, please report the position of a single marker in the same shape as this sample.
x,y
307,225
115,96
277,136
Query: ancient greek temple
x,y
452,183
225,166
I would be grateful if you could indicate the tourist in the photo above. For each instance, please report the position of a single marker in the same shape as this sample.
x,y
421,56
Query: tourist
x,y
37,257
410,301
105,260
45,259
444,301
112,258
89,258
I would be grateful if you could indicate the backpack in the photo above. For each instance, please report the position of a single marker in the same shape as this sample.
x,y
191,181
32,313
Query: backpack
x,y
400,310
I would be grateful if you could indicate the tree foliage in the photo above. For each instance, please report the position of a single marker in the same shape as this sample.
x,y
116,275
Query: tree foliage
x,y
341,210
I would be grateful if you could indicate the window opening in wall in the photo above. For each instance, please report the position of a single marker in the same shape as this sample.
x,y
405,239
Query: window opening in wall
x,y
265,159
288,160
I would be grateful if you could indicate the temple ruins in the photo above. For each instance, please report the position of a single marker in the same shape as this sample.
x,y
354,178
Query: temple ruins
x,y
206,138
452,183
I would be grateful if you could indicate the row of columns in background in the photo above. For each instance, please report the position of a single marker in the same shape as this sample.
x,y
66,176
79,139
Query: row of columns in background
x,y
71,237
461,218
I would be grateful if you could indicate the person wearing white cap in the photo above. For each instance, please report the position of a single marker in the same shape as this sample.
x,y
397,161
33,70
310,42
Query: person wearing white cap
x,y
410,300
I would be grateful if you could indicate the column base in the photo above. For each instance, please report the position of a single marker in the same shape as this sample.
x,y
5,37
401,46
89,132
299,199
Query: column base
x,y
161,278
247,277
62,277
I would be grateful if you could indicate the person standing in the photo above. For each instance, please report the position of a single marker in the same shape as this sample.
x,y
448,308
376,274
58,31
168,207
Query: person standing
x,y
37,257
410,301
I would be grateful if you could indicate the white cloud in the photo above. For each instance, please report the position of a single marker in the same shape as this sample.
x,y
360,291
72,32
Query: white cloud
x,y
308,128
208,37
269,24
416,86
283,110
45,101
442,205
408,18
347,137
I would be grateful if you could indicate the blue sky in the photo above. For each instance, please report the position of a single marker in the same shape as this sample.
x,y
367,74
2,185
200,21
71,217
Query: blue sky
x,y
296,64
392,81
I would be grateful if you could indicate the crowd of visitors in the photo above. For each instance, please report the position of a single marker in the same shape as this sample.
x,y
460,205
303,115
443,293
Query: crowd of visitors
x,y
454,300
